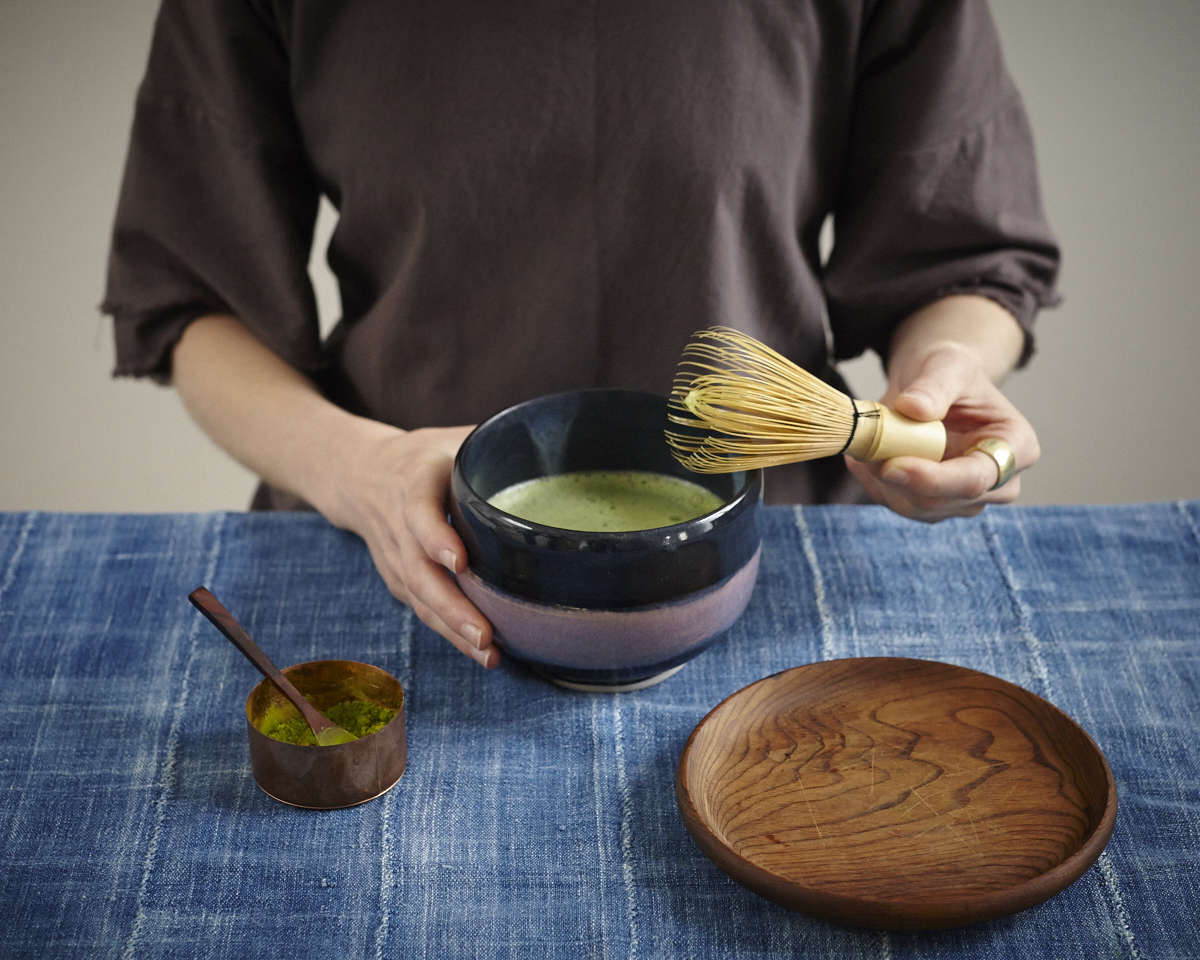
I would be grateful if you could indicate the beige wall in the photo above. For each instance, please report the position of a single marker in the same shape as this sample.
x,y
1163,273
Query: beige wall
x,y
1113,391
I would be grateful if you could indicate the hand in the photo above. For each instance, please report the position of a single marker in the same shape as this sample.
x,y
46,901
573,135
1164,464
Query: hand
x,y
387,485
951,385
394,497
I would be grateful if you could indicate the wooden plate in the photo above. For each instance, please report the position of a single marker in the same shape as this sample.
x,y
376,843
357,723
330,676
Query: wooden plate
x,y
896,793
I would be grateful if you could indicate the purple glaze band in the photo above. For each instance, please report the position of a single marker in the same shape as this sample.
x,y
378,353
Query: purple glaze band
x,y
583,639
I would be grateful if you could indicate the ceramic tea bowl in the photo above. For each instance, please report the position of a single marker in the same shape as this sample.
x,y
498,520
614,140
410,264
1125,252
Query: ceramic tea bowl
x,y
590,610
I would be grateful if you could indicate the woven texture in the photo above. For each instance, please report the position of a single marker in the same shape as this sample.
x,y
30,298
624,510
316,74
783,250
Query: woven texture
x,y
533,822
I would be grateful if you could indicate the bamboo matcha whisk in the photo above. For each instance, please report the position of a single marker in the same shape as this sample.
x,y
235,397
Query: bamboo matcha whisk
x,y
746,406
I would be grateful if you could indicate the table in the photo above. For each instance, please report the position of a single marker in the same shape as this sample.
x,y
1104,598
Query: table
x,y
532,821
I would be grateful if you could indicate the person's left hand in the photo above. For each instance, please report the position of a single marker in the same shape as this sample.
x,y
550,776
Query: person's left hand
x,y
950,385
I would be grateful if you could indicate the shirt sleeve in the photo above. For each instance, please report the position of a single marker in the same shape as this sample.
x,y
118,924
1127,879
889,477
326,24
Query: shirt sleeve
x,y
218,201
940,192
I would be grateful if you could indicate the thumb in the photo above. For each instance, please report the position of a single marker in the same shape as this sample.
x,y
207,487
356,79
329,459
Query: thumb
x,y
940,380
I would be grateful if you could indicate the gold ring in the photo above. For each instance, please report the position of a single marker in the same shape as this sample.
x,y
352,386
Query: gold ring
x,y
1002,455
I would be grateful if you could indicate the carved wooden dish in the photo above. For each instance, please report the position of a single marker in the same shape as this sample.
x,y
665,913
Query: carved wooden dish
x,y
896,793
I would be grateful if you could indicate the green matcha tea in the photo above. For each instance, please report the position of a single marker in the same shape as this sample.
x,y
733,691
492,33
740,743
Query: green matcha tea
x,y
607,501
359,717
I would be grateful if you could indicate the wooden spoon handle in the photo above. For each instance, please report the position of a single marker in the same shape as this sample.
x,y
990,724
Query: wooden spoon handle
x,y
223,620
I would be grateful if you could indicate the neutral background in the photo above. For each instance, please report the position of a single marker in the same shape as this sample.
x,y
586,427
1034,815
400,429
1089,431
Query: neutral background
x,y
1113,391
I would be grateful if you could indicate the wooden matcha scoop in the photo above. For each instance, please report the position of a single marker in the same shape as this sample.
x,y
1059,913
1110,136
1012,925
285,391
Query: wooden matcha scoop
x,y
325,730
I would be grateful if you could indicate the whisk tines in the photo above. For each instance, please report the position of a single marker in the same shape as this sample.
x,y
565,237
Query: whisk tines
x,y
739,405
743,406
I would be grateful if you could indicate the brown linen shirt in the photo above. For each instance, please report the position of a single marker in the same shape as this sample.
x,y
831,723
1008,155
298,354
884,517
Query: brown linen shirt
x,y
552,194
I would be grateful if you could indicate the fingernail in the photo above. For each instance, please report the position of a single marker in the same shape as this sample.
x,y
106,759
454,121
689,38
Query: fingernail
x,y
473,635
490,659
449,560
894,475
920,396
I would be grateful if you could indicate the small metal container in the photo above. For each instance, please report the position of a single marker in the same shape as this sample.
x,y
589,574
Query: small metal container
x,y
326,778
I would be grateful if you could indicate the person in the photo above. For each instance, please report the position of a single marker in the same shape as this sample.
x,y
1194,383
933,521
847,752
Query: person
x,y
552,195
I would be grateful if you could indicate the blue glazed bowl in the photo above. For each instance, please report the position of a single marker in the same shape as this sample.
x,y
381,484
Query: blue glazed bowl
x,y
599,610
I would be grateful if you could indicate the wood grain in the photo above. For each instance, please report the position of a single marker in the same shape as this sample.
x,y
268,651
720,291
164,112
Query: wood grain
x,y
896,793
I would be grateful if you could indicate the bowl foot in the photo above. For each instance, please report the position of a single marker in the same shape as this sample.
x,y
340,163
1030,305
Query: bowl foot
x,y
615,687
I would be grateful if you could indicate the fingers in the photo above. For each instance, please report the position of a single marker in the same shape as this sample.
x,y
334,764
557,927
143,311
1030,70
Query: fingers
x,y
417,580
943,377
415,549
897,494
959,479
425,519
929,491
441,546
911,496
436,599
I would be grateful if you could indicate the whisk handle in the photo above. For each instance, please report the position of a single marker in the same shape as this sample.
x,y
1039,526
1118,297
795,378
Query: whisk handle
x,y
881,433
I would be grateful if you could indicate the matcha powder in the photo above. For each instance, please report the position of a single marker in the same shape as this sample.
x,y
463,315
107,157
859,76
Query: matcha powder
x,y
359,717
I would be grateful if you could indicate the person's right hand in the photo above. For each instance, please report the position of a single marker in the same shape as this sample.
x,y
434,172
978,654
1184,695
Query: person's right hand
x,y
387,485
393,495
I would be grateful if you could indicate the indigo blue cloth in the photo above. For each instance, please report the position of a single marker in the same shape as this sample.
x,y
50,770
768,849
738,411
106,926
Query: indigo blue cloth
x,y
535,822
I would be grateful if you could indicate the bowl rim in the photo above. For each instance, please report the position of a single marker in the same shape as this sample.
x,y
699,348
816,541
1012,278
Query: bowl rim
x,y
750,489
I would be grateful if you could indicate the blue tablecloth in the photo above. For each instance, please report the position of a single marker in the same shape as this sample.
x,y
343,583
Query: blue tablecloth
x,y
535,822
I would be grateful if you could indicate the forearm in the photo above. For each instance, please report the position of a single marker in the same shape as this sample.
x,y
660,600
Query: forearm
x,y
973,324
266,414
